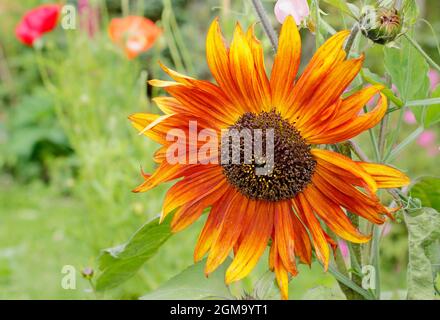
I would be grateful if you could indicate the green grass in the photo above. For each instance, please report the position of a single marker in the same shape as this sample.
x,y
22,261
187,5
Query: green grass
x,y
42,230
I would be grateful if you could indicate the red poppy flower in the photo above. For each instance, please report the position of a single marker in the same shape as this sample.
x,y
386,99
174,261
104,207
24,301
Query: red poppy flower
x,y
134,34
36,22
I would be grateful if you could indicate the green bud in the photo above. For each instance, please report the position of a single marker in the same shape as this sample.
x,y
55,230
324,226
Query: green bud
x,y
381,25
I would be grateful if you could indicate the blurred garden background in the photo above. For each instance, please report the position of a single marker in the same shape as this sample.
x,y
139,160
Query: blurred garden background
x,y
69,157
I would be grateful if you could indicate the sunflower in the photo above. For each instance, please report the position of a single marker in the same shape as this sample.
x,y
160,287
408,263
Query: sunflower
x,y
308,191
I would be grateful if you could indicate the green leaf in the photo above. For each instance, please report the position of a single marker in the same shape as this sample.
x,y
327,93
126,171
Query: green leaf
x,y
341,5
427,189
324,293
192,284
409,73
120,263
410,12
423,239
433,112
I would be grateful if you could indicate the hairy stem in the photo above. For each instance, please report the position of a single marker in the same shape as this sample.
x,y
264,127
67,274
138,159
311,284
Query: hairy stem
x,y
350,40
267,26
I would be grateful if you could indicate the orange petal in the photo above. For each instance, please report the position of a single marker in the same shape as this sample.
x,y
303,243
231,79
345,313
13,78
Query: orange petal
x,y
285,235
303,247
385,176
156,127
286,64
193,188
212,225
302,207
260,69
191,211
205,105
168,105
353,127
351,106
246,78
255,236
165,172
217,56
329,90
230,230
342,165
333,216
326,58
347,196
281,273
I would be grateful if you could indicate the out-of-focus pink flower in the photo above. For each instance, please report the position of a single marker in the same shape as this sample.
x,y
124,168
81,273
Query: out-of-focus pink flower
x,y
88,17
433,150
37,22
434,78
409,117
298,9
386,229
426,139
344,248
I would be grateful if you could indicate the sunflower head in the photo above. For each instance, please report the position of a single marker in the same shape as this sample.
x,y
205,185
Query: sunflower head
x,y
302,187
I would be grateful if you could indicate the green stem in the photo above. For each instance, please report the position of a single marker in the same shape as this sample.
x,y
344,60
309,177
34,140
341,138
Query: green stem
x,y
356,254
267,26
318,24
375,257
186,56
364,294
404,144
394,135
166,16
350,40
422,52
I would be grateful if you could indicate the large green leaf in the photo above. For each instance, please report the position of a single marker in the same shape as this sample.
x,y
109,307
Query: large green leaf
x,y
192,284
120,263
427,189
433,112
409,73
423,242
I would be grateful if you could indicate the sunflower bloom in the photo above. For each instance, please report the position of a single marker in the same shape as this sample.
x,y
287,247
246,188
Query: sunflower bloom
x,y
308,187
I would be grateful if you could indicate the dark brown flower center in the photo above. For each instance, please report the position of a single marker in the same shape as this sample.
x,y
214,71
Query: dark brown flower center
x,y
289,161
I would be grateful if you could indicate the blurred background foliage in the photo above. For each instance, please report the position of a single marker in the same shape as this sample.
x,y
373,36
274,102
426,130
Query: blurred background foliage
x,y
69,156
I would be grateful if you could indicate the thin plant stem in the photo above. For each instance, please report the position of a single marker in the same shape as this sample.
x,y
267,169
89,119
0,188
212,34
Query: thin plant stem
x,y
403,144
125,5
358,151
174,51
351,37
375,257
186,57
395,134
318,24
422,52
267,26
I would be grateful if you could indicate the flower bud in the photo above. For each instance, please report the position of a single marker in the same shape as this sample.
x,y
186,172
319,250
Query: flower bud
x,y
381,25
87,273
